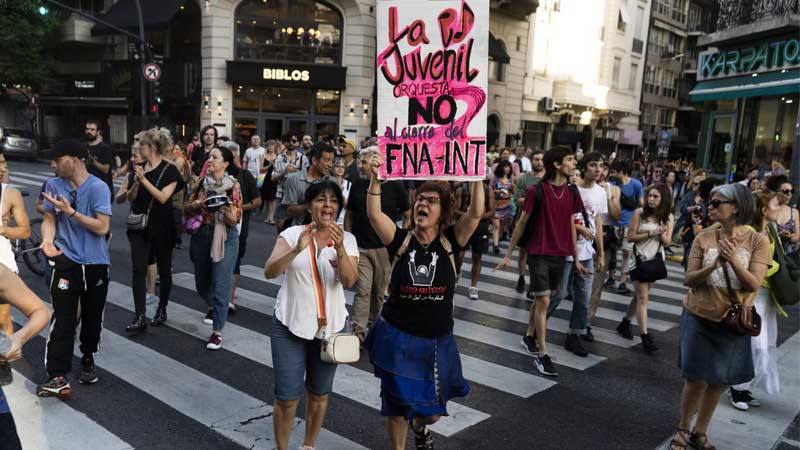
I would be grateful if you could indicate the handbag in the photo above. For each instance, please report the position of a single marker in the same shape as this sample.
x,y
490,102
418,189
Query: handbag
x,y
337,348
192,224
785,283
137,221
651,270
739,318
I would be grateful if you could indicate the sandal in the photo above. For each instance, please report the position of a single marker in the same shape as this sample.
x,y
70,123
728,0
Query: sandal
x,y
699,441
423,439
674,444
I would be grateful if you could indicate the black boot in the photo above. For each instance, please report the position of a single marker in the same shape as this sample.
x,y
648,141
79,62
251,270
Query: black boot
x,y
648,344
138,325
160,317
625,329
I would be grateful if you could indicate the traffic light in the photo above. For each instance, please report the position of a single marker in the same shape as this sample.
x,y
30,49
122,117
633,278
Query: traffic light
x,y
154,108
42,9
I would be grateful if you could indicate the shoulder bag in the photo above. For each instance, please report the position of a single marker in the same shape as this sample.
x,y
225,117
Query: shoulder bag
x,y
338,348
650,270
785,283
138,222
739,318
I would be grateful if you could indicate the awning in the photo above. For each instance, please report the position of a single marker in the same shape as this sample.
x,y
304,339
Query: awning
x,y
623,11
496,51
762,85
124,14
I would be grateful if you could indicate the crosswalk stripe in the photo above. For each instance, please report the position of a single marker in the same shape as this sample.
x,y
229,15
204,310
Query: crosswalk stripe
x,y
511,274
674,270
483,372
350,382
196,395
38,420
608,296
476,332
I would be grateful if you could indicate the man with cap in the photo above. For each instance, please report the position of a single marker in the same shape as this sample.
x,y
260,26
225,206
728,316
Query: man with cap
x,y
77,216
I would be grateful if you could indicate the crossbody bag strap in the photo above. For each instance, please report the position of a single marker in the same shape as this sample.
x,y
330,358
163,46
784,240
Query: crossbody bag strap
x,y
448,248
401,251
322,319
731,295
160,176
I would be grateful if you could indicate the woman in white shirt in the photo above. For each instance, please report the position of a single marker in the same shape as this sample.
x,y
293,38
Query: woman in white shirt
x,y
297,328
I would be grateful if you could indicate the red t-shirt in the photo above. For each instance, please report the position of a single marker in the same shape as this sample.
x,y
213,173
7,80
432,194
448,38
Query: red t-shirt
x,y
552,231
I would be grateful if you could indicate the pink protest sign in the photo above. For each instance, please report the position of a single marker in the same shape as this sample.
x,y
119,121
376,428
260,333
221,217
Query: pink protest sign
x,y
432,83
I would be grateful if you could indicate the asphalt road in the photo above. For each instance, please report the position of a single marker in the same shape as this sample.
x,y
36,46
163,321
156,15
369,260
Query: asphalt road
x,y
163,390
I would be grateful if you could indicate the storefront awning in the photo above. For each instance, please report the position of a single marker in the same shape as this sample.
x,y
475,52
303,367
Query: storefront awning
x,y
762,85
496,51
125,15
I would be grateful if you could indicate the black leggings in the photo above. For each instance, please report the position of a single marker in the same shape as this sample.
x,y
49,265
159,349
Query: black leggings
x,y
8,433
160,244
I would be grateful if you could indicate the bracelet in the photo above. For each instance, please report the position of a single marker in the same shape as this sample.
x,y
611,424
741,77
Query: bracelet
x,y
74,211
372,193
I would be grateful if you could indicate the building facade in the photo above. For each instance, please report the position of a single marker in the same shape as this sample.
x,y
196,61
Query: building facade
x,y
748,87
585,73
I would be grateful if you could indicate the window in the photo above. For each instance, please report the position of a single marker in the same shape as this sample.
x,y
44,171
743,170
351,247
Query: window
x,y
497,70
637,31
620,23
649,113
669,87
615,72
632,76
679,10
662,7
304,31
665,117
650,83
622,17
674,43
695,17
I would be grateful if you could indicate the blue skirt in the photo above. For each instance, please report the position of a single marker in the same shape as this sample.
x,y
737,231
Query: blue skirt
x,y
712,353
418,375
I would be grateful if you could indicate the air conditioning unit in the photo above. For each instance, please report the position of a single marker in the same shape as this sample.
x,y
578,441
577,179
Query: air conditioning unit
x,y
548,104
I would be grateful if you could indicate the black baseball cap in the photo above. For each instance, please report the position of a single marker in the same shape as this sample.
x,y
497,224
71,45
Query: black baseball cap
x,y
70,147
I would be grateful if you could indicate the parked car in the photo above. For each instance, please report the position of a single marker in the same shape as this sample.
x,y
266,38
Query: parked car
x,y
18,142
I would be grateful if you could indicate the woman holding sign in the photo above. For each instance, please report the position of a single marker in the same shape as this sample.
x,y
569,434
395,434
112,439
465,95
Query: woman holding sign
x,y
411,345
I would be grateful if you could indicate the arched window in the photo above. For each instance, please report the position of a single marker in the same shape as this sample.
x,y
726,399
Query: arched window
x,y
304,31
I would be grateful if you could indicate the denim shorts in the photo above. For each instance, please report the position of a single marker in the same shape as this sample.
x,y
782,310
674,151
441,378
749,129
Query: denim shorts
x,y
295,359
546,273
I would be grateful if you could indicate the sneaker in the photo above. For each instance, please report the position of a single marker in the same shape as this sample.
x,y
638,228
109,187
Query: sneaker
x,y
545,366
574,345
88,371
423,439
609,283
623,290
214,341
55,387
151,299
625,329
588,337
473,293
231,309
521,284
739,399
209,319
6,376
529,344
748,396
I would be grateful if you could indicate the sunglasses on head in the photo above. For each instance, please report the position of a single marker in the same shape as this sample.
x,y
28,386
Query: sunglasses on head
x,y
715,203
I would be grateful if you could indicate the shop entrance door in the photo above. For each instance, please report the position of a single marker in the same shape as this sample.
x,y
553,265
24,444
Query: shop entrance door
x,y
277,127
720,143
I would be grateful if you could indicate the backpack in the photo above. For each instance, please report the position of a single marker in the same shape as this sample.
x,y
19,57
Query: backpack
x,y
785,283
537,207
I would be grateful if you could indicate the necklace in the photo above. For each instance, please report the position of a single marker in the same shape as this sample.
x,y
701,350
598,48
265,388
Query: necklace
x,y
558,197
424,246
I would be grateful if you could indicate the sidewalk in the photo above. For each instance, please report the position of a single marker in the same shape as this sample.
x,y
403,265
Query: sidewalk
x,y
770,426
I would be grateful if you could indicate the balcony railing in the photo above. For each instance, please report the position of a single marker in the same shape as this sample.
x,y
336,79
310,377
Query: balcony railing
x,y
733,13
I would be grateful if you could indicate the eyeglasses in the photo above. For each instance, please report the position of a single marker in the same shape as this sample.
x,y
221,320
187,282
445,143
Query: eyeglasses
x,y
429,199
714,204
788,191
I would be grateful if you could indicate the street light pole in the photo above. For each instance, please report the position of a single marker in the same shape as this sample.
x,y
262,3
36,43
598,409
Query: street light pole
x,y
142,85
794,166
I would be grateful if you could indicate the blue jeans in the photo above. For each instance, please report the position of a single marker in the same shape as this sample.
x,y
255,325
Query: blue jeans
x,y
213,280
295,359
581,288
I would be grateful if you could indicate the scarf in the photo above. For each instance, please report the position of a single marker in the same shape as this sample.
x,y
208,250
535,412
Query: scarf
x,y
214,187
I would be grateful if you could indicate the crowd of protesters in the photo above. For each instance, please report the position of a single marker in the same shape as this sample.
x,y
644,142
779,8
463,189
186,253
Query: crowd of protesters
x,y
400,245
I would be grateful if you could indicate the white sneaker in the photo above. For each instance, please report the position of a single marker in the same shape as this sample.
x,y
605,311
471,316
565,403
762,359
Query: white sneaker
x,y
151,299
214,341
473,293
209,318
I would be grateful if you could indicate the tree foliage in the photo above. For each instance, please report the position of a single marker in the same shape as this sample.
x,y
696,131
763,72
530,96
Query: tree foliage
x,y
25,33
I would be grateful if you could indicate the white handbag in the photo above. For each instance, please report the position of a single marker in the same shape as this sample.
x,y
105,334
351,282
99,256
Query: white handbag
x,y
338,348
